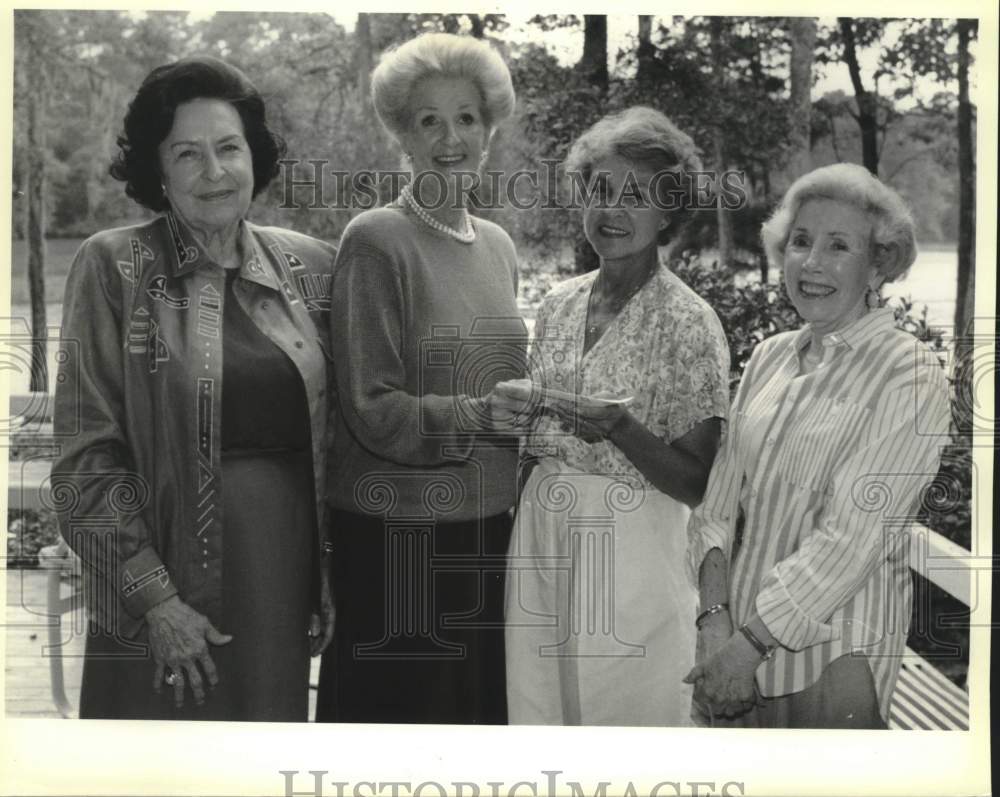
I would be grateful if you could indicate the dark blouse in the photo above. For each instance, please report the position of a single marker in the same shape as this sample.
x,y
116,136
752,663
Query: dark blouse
x,y
264,406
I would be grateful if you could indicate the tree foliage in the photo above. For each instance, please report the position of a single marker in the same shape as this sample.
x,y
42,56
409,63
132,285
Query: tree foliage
x,y
313,73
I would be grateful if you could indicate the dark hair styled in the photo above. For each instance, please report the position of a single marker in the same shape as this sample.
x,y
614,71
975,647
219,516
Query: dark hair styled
x,y
150,117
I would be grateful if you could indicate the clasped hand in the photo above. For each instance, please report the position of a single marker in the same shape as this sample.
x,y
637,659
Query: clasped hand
x,y
591,423
515,404
723,677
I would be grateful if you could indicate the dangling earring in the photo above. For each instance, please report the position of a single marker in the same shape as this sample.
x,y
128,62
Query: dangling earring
x,y
873,299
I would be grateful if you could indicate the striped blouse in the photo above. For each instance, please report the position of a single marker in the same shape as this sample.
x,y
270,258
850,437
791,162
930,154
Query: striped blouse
x,y
824,471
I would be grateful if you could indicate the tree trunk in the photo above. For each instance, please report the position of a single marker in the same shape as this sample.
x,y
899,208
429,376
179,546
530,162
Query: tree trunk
x,y
867,101
478,29
645,51
965,295
723,215
363,42
725,221
36,215
594,62
803,34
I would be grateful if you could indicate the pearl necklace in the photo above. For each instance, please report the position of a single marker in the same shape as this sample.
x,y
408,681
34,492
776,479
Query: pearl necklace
x,y
466,237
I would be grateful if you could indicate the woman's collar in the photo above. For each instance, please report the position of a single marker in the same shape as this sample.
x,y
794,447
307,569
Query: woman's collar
x,y
853,334
187,254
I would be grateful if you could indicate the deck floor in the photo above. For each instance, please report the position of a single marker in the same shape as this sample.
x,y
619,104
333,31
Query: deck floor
x,y
27,674
28,690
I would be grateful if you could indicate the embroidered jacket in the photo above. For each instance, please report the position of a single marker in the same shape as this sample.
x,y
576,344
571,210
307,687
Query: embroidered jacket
x,y
138,402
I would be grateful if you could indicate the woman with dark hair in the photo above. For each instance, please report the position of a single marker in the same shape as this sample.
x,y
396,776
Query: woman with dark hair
x,y
191,402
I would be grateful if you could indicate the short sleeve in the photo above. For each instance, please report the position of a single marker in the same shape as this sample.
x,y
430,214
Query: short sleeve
x,y
701,375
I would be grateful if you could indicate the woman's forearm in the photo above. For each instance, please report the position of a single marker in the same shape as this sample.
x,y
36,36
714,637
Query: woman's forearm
x,y
676,472
713,579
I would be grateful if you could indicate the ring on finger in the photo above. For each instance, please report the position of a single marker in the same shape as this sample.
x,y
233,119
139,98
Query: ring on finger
x,y
173,678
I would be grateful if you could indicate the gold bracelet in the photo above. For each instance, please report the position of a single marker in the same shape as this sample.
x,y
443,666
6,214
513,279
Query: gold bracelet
x,y
714,609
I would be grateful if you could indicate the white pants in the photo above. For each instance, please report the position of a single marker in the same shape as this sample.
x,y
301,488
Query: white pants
x,y
599,614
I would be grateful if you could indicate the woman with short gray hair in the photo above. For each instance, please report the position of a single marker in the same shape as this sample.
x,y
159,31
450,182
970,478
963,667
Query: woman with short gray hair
x,y
836,429
630,369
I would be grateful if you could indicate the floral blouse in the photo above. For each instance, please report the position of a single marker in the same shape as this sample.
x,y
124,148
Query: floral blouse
x,y
666,349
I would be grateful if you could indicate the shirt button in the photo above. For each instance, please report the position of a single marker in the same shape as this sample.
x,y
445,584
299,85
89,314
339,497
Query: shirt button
x,y
264,305
299,344
770,441
255,268
205,566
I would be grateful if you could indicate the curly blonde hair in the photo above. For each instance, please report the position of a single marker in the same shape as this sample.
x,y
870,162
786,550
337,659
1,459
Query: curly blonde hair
x,y
440,55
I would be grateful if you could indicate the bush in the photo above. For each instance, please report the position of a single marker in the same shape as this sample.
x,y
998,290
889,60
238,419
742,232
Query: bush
x,y
29,531
748,313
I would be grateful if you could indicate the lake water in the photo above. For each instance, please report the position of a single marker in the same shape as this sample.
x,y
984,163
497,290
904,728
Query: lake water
x,y
931,282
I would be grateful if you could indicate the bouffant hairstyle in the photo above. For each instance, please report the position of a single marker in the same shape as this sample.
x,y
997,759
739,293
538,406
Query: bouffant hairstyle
x,y
647,138
892,222
150,118
440,55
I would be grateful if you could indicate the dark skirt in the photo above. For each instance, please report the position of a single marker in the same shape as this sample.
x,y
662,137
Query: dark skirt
x,y
269,543
419,635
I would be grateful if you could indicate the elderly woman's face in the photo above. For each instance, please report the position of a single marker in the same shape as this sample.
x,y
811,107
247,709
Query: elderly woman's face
x,y
447,133
207,166
622,220
828,264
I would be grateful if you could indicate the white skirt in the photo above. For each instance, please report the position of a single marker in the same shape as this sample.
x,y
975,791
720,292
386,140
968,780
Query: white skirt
x,y
599,611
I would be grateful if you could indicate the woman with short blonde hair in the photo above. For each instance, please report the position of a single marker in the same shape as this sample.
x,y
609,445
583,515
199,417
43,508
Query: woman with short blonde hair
x,y
436,55
422,480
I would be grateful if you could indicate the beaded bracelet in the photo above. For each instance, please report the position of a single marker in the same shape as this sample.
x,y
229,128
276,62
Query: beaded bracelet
x,y
714,609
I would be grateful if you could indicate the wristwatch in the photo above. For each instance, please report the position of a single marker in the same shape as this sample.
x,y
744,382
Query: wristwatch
x,y
765,651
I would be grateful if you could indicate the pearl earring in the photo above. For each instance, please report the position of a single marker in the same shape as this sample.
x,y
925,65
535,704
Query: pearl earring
x,y
873,299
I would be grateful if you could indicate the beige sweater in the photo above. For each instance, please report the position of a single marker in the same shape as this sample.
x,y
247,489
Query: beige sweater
x,y
421,327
